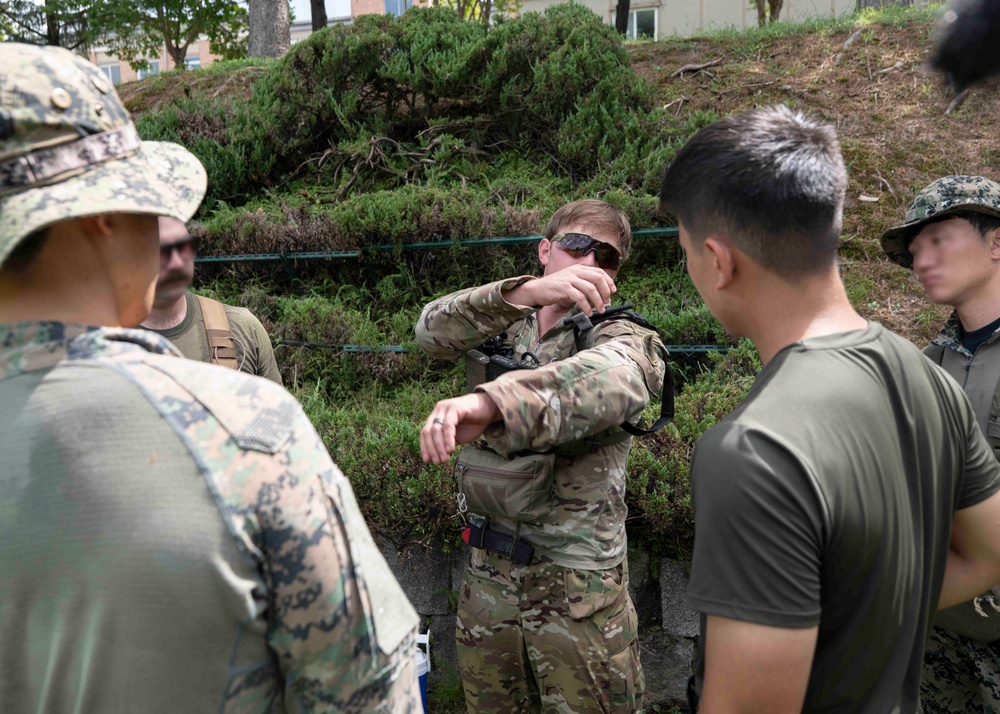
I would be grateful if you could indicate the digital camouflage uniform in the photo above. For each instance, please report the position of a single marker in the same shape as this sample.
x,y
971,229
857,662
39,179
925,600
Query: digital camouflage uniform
x,y
961,671
561,633
174,536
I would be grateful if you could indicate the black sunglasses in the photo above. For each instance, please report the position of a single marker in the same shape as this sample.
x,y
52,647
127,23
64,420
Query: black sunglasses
x,y
183,247
579,244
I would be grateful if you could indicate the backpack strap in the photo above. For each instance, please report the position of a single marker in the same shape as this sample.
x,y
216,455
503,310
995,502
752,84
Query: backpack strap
x,y
221,347
583,338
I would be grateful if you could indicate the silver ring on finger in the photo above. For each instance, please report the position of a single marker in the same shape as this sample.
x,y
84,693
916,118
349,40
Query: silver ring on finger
x,y
438,420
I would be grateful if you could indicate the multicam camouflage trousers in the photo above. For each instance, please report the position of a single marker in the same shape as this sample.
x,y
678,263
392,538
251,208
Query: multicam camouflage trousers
x,y
546,638
960,675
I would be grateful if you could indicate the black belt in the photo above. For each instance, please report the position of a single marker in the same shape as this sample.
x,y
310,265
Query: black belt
x,y
485,538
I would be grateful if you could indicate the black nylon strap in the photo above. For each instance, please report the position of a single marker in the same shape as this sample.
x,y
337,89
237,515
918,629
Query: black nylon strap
x,y
485,538
582,324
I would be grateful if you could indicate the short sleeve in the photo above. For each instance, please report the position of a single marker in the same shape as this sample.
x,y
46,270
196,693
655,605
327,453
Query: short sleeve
x,y
759,527
981,478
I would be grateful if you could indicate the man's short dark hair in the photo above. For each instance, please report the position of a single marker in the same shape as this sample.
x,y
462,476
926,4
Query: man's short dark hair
x,y
25,252
772,180
982,222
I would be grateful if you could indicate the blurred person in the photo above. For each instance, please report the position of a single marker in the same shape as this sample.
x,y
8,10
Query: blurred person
x,y
950,237
201,328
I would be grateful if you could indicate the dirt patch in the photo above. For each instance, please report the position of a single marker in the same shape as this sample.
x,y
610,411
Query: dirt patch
x,y
889,111
164,89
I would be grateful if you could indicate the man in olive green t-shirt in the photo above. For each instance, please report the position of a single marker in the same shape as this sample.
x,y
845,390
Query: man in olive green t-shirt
x,y
177,314
831,504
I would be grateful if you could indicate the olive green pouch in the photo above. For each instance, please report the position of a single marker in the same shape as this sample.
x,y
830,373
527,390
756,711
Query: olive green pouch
x,y
491,485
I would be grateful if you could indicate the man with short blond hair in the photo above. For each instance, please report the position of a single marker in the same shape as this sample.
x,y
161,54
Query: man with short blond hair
x,y
545,620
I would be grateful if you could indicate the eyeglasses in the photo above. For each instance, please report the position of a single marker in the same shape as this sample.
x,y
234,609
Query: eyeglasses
x,y
185,249
579,244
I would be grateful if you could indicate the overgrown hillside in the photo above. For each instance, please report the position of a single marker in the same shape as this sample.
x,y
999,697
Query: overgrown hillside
x,y
395,132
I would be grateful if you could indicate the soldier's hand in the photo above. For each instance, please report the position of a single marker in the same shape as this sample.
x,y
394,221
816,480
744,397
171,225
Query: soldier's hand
x,y
585,285
455,421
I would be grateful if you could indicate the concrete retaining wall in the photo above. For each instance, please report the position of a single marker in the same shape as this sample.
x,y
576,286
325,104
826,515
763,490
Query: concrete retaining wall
x,y
666,627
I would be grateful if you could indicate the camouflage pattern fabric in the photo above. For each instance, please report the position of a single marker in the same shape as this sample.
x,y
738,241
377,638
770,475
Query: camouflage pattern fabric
x,y
960,675
68,149
950,194
568,398
546,638
339,628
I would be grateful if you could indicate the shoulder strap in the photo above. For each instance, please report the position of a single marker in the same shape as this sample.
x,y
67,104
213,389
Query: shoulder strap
x,y
583,338
220,338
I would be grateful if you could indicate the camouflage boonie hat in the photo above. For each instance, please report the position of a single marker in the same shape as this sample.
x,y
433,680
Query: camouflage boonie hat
x,y
950,194
68,149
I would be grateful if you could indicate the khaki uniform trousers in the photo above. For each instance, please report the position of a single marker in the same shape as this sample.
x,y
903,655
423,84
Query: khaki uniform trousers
x,y
544,638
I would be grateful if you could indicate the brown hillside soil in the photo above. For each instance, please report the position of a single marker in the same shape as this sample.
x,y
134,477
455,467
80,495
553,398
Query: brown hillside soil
x,y
889,112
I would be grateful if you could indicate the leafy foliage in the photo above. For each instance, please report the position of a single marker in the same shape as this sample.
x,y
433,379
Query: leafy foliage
x,y
135,29
427,128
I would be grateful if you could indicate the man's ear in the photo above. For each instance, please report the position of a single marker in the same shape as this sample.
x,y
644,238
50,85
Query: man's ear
x,y
544,248
97,226
994,243
721,260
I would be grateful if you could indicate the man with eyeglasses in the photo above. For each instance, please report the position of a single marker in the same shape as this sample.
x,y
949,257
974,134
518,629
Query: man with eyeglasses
x,y
201,328
544,615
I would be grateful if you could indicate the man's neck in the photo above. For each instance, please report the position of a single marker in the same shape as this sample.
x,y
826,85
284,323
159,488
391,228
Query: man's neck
x,y
980,308
165,316
548,316
785,313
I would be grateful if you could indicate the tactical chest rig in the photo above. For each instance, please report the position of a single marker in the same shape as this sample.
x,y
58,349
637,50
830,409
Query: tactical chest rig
x,y
221,346
519,488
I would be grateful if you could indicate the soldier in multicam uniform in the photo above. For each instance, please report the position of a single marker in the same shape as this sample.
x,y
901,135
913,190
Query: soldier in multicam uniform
x,y
950,237
556,629
174,536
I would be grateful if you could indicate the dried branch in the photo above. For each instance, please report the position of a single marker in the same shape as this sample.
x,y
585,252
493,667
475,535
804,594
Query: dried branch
x,y
695,68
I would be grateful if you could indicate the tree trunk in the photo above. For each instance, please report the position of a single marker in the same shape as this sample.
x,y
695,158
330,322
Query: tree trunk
x,y
621,16
774,7
319,18
878,4
761,12
268,28
52,25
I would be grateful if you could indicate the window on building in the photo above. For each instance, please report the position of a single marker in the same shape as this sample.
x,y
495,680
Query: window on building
x,y
641,23
397,7
154,68
113,72
192,62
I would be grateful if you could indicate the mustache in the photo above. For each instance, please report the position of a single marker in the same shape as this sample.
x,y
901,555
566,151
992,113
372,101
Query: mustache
x,y
175,275
966,46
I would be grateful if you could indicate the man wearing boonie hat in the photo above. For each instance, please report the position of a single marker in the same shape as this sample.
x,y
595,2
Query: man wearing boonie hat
x,y
950,237
173,535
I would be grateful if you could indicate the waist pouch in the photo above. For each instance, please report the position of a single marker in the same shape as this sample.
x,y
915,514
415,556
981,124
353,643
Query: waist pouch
x,y
491,485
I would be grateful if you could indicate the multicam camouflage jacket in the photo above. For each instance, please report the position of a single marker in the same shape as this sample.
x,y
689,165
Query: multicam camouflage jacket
x,y
569,397
175,537
979,375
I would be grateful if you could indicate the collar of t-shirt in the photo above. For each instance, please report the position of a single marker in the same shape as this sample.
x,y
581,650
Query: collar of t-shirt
x,y
974,339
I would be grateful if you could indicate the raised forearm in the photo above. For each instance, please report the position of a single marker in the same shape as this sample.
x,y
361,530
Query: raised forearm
x,y
465,319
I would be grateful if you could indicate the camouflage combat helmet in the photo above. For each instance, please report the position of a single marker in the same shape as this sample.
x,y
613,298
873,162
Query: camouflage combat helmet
x,y
68,149
950,194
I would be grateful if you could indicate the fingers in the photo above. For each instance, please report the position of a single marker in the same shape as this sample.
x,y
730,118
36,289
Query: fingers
x,y
593,289
437,437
